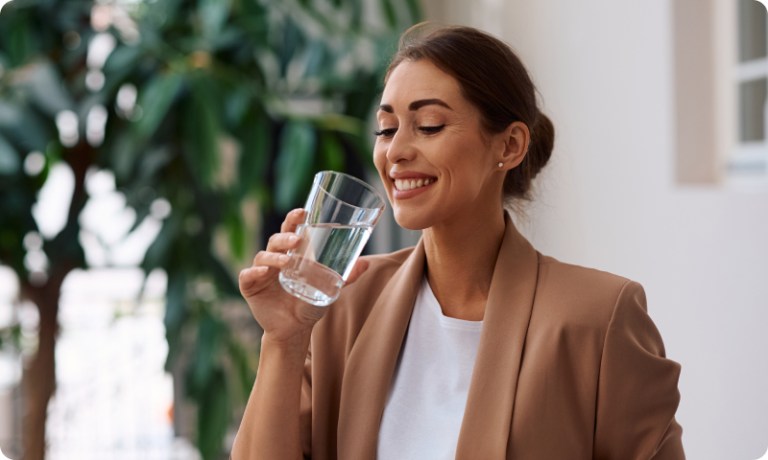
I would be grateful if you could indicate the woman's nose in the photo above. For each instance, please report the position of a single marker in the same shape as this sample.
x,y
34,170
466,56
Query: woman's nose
x,y
400,148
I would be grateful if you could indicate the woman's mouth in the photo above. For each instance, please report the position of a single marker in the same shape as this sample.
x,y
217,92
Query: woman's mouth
x,y
405,185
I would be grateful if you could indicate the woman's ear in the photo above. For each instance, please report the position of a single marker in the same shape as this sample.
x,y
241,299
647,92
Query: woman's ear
x,y
517,138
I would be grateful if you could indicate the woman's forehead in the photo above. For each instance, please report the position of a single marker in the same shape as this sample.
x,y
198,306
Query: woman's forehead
x,y
419,80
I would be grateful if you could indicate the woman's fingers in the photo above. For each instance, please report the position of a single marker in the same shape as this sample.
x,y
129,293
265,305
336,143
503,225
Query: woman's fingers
x,y
270,259
265,265
292,220
286,239
282,242
252,279
268,262
251,274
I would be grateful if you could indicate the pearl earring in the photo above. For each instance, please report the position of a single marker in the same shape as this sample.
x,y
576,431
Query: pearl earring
x,y
501,164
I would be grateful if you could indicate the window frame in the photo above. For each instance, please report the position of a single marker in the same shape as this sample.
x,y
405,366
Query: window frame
x,y
706,116
746,159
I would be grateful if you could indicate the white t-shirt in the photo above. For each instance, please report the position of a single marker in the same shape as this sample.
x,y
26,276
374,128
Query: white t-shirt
x,y
423,414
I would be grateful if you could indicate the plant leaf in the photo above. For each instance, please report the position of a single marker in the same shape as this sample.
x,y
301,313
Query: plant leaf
x,y
256,137
159,251
294,164
390,12
414,11
225,280
242,368
24,127
155,99
20,41
331,153
46,87
9,158
202,132
213,416
175,315
213,14
120,63
206,350
236,232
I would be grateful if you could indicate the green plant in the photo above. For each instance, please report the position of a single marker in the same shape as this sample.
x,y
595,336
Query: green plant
x,y
218,113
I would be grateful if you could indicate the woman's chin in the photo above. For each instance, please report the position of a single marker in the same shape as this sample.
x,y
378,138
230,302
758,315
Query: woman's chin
x,y
410,221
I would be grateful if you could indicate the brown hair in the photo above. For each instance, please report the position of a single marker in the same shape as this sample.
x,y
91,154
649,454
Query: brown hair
x,y
494,80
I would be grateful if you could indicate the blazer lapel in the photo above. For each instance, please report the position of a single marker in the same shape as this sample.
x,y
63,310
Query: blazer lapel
x,y
487,419
372,360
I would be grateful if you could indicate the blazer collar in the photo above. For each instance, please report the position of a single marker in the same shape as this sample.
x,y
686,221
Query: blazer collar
x,y
487,420
490,402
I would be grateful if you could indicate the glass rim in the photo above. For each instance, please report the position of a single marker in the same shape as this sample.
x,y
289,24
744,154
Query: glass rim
x,y
365,185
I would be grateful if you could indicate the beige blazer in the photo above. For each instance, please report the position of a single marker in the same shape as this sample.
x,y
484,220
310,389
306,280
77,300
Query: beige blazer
x,y
569,364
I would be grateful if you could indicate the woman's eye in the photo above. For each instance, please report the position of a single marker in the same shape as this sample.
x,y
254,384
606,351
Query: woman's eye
x,y
431,129
388,132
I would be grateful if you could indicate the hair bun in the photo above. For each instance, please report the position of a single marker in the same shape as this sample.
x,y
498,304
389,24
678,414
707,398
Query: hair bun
x,y
542,143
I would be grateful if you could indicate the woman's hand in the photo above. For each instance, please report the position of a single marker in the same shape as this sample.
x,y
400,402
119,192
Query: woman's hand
x,y
284,318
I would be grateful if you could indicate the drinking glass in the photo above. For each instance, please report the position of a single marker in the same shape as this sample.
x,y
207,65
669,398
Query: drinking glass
x,y
341,212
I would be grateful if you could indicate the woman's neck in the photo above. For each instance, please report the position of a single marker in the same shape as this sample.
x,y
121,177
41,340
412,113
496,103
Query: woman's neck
x,y
460,261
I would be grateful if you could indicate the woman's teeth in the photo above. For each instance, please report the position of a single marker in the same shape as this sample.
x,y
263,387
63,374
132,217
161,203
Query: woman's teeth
x,y
410,184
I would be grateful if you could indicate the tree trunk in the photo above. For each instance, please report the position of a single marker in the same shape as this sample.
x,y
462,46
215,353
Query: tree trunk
x,y
65,253
39,381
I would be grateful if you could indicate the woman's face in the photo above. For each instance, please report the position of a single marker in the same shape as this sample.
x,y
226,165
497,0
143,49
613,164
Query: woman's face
x,y
437,163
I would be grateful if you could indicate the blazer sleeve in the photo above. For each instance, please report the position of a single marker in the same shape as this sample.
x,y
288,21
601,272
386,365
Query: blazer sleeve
x,y
637,389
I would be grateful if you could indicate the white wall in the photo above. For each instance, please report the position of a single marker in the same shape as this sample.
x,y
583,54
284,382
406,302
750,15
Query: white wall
x,y
609,200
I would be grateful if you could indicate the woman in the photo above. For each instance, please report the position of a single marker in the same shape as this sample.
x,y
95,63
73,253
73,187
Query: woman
x,y
471,345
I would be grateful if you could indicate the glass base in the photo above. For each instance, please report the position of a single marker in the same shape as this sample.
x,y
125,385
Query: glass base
x,y
320,294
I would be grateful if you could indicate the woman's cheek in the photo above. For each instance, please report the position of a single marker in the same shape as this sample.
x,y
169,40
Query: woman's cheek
x,y
379,159
380,162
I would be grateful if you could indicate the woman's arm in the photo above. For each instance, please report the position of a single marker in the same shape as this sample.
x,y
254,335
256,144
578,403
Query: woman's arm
x,y
271,425
637,394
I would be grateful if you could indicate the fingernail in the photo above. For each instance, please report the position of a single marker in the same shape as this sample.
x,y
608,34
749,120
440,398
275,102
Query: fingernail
x,y
293,239
283,258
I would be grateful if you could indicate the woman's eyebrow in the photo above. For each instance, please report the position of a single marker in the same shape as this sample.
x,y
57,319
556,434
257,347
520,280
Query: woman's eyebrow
x,y
416,105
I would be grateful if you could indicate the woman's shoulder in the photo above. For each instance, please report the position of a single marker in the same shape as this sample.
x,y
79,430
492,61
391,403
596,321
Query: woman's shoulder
x,y
575,276
588,294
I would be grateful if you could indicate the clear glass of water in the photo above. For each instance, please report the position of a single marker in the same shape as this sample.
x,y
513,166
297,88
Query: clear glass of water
x,y
341,213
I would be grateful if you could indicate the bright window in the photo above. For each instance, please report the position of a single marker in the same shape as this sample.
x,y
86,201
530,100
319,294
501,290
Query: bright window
x,y
721,91
751,96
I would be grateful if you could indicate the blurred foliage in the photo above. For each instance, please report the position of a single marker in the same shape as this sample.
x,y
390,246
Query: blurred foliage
x,y
213,116
10,337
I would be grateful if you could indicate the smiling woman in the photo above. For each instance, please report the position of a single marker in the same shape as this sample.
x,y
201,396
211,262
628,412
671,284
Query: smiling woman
x,y
427,130
471,344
